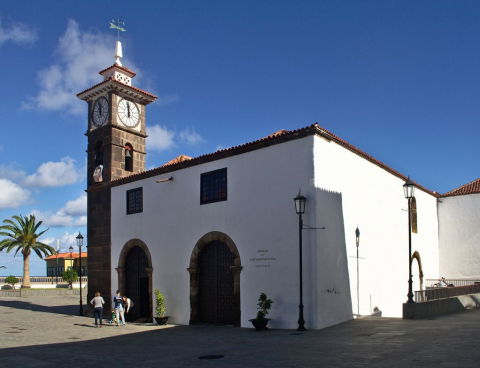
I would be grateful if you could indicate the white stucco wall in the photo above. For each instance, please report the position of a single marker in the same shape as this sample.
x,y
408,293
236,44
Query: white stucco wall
x,y
459,219
258,215
343,191
369,197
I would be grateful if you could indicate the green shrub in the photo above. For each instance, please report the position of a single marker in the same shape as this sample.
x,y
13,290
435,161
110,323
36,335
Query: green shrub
x,y
160,304
70,276
11,280
264,305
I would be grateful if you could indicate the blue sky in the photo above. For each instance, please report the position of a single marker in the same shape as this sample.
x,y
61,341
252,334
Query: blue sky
x,y
397,79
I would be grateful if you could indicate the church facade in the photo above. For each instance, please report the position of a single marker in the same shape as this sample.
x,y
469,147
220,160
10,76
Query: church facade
x,y
213,232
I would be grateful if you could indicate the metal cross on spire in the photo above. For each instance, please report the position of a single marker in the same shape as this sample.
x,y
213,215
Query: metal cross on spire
x,y
118,27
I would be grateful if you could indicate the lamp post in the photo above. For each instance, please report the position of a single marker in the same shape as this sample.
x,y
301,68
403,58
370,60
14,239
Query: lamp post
x,y
408,189
56,269
300,201
80,243
357,241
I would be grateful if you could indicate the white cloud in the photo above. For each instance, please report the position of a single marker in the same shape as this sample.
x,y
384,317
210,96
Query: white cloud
x,y
12,195
76,207
159,138
74,213
65,241
191,137
56,174
11,172
59,219
80,56
18,33
81,221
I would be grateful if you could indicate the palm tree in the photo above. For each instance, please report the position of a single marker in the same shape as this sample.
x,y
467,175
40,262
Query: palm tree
x,y
23,236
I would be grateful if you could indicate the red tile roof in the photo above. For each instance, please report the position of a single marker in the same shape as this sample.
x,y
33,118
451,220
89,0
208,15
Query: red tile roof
x,y
470,188
66,255
177,160
275,138
133,74
120,83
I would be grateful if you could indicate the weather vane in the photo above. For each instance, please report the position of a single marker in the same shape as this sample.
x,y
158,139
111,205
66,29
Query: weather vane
x,y
117,27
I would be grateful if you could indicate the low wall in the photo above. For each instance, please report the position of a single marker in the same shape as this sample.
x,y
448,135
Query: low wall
x,y
39,285
441,306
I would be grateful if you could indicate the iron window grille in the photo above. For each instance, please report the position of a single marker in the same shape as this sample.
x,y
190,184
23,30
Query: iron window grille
x,y
134,201
213,186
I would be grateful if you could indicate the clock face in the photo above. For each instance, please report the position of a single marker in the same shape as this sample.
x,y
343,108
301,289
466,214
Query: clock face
x,y
100,111
128,113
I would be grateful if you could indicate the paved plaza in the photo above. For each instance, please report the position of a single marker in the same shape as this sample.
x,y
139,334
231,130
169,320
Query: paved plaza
x,y
47,332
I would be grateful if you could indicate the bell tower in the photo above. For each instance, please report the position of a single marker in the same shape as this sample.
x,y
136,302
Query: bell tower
x,y
116,149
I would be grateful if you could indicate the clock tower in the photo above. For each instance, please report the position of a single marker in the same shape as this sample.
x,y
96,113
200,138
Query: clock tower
x,y
116,149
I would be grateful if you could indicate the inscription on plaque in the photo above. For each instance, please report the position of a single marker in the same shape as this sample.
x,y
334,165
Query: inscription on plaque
x,y
262,258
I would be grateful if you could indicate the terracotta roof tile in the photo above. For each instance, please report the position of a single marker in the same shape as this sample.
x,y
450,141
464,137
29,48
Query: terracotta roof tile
x,y
120,83
177,160
133,74
66,255
277,137
470,188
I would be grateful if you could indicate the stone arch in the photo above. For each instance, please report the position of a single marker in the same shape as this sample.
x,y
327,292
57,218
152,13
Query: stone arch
x,y
129,245
416,256
193,269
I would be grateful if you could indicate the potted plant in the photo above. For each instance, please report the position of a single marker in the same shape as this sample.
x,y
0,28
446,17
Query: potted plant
x,y
264,304
160,317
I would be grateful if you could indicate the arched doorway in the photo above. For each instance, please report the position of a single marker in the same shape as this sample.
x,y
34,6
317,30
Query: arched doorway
x,y
135,278
215,281
216,299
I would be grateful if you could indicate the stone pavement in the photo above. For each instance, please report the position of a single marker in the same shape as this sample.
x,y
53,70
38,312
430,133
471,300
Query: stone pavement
x,y
46,332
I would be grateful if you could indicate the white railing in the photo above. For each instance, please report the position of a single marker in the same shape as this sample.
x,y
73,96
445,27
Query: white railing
x,y
43,279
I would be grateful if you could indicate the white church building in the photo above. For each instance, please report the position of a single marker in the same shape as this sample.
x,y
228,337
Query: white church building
x,y
213,232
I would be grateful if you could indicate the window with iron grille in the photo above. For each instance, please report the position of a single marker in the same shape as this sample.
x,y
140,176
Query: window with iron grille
x,y
134,201
213,186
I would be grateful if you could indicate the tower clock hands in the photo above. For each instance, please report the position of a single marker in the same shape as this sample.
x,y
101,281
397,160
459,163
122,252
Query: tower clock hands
x,y
128,109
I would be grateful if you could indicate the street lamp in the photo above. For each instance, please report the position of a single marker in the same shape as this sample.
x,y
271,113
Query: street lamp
x,y
357,241
408,189
56,269
300,201
80,243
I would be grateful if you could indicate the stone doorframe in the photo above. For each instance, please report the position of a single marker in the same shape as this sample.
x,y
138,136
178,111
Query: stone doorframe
x,y
122,259
416,256
194,271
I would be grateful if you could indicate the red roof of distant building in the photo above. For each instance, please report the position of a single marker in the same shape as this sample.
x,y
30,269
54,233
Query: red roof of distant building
x,y
67,255
470,188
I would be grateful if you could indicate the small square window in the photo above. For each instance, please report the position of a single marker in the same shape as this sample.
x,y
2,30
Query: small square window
x,y
213,187
134,201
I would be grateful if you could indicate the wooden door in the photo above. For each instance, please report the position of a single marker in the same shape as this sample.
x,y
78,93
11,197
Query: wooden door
x,y
216,297
136,283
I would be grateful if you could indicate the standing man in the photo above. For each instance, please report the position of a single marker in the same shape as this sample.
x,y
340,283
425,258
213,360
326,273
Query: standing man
x,y
118,303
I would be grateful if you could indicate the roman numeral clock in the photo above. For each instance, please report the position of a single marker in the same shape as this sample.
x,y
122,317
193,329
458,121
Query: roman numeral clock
x,y
116,149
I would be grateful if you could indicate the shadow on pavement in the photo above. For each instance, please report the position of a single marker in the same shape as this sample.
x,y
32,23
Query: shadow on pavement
x,y
70,310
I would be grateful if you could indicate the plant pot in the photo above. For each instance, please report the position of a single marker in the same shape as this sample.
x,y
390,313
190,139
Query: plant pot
x,y
260,324
161,321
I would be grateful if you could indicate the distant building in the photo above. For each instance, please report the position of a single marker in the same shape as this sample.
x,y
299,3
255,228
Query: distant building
x,y
56,264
